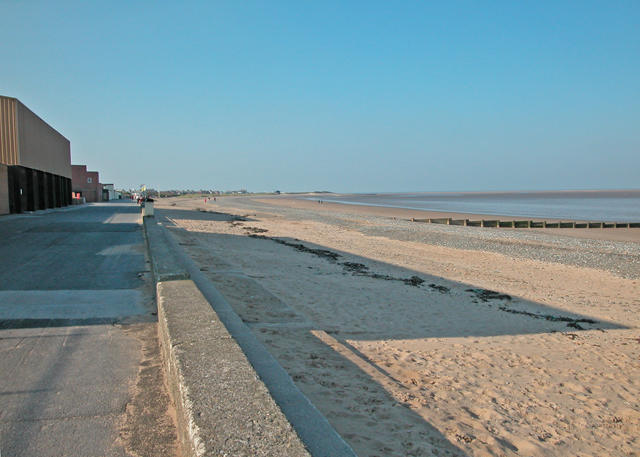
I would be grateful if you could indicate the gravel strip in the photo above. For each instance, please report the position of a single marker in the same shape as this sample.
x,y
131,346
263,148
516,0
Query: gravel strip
x,y
622,259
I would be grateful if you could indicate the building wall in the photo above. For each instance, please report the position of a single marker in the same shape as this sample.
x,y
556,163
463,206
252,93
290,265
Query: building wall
x,y
37,159
87,183
109,190
32,190
40,146
4,189
9,131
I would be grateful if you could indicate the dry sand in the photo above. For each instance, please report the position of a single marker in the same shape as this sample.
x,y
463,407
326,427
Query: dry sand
x,y
401,367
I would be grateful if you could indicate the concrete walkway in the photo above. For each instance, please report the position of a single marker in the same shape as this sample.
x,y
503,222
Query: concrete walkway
x,y
81,368
78,339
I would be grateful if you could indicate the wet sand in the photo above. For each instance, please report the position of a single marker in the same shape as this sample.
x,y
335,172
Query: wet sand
x,y
412,348
302,202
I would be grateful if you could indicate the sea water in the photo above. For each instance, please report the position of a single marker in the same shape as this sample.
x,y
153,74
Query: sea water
x,y
608,206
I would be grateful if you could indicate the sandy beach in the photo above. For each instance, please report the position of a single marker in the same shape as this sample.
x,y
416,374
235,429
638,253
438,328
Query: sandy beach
x,y
416,339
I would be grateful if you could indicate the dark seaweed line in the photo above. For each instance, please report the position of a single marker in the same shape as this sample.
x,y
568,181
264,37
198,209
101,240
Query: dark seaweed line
x,y
574,323
486,295
356,269
324,253
359,269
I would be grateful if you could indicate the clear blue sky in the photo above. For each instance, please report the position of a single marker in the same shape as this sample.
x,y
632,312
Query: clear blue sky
x,y
347,96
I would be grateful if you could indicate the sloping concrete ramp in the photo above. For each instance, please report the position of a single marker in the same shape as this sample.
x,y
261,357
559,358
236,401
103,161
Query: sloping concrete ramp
x,y
232,397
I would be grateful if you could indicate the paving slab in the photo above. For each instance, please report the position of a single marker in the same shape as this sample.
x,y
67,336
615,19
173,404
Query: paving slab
x,y
71,304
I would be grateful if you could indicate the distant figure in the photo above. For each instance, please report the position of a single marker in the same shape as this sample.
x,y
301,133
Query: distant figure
x,y
214,199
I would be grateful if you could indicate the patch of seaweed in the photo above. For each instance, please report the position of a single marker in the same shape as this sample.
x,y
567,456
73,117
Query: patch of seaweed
x,y
441,289
355,267
414,281
255,230
323,253
236,220
486,295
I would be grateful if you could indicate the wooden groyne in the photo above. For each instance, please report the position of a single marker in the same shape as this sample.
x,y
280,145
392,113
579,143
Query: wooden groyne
x,y
527,224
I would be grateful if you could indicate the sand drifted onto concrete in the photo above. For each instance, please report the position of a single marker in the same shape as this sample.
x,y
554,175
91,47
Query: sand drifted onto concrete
x,y
414,339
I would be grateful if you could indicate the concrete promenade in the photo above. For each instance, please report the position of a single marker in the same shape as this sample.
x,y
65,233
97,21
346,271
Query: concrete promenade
x,y
82,371
231,395
80,366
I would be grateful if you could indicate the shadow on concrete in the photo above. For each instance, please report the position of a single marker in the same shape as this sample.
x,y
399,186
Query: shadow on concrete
x,y
9,324
89,249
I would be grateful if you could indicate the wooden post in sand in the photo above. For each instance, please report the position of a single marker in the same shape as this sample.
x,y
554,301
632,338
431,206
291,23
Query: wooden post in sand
x,y
527,223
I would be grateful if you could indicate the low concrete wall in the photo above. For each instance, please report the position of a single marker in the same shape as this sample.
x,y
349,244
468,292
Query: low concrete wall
x,y
223,408
4,189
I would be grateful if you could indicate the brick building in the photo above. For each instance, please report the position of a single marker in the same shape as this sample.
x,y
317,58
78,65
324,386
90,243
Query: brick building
x,y
86,183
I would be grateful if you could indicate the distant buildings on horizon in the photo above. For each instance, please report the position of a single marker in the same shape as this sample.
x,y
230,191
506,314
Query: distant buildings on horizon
x,y
175,193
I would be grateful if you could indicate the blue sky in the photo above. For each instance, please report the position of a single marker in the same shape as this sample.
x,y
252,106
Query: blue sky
x,y
346,96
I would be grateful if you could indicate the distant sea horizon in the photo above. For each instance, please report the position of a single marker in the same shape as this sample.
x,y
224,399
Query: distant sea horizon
x,y
579,205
